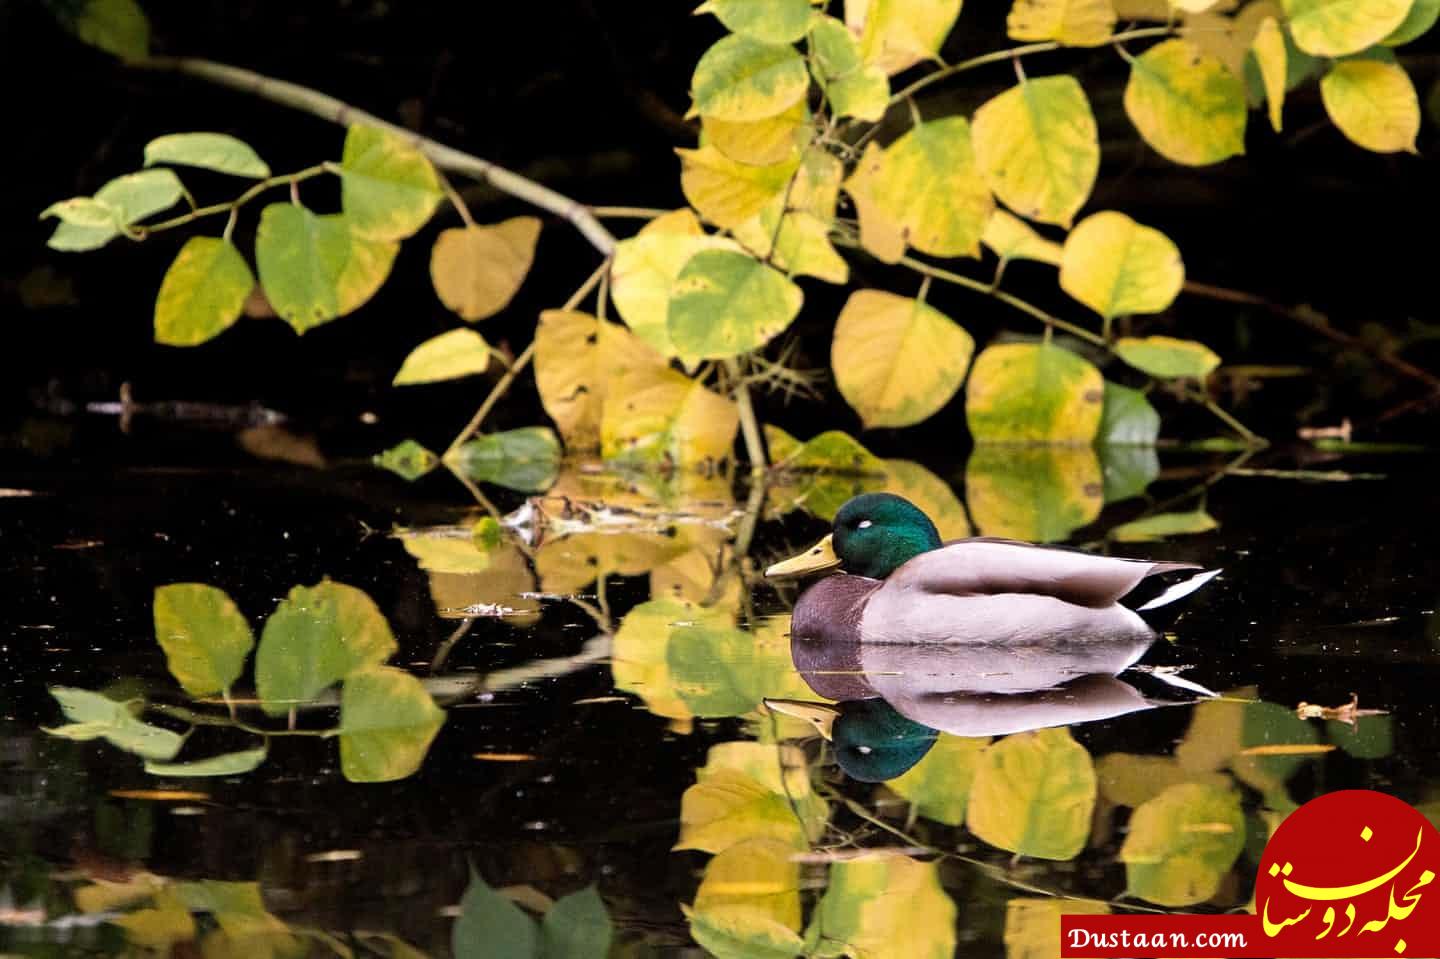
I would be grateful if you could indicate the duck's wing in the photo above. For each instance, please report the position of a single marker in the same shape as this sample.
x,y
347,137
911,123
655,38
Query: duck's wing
x,y
985,566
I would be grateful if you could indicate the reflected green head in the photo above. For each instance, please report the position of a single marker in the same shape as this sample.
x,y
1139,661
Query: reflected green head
x,y
875,533
874,743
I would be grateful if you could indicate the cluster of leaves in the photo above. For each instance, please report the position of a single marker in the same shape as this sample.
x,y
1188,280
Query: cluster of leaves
x,y
317,637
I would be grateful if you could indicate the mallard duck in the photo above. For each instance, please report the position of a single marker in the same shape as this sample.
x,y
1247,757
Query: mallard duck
x,y
900,584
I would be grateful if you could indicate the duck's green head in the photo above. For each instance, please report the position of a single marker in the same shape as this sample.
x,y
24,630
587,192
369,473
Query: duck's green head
x,y
874,534
872,742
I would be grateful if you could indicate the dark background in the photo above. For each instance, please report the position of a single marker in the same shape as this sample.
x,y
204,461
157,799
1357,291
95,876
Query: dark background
x,y
587,96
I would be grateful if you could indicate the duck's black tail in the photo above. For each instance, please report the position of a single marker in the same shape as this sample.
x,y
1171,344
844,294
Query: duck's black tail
x,y
1158,598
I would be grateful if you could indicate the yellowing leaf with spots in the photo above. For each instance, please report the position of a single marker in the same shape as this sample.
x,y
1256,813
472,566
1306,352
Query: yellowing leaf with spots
x,y
577,357
1334,28
882,905
1075,23
1033,795
928,183
1040,494
938,786
662,416
1268,49
1186,104
1011,238
764,142
770,21
744,80
387,187
1373,103
1033,393
802,241
477,270
725,303
1117,267
1039,148
881,235
448,356
203,292
645,269
1167,357
897,360
728,193
895,34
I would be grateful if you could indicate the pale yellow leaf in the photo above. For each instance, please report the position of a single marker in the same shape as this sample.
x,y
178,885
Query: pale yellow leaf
x,y
895,34
1374,104
764,142
477,269
1075,23
881,235
742,80
1040,494
1011,238
1117,267
929,184
577,357
1033,393
1269,51
662,416
801,242
448,356
1032,926
1186,104
1334,28
728,193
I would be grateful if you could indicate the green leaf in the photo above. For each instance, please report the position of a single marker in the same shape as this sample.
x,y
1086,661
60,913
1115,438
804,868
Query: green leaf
x,y
1220,731
135,195
205,637
719,671
1163,526
526,459
748,903
1167,357
1028,392
1186,104
743,80
1118,267
449,356
1128,470
477,270
824,472
83,211
162,925
938,786
880,901
203,292
387,722
1033,795
728,934
1372,737
407,459
1374,104
645,269
1039,148
388,188
1127,418
491,926
769,21
1075,23
1334,28
118,27
316,637
724,304
929,185
210,151
897,361
93,716
577,927
1422,16
1040,494
228,764
1181,843
853,88
301,257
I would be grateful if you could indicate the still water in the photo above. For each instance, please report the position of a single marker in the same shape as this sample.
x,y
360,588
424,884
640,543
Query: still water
x,y
280,711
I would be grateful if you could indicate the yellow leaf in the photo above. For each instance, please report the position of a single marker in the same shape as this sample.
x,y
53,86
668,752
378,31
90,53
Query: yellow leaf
x,y
727,807
567,564
1186,104
1181,844
690,576
1127,779
1117,267
662,416
895,34
1075,23
1033,393
477,269
939,784
928,183
364,272
744,80
728,193
448,356
764,142
747,888
1373,103
802,241
881,235
1032,926
1011,238
885,905
1039,148
1033,795
161,926
1334,28
577,357
897,360
1039,494
1269,51
645,269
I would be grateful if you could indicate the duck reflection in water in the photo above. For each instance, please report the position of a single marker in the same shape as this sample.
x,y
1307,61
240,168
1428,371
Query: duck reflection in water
x,y
979,637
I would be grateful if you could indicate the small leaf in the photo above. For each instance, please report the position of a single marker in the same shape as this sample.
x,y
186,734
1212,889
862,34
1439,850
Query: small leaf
x,y
1027,392
897,361
1039,494
1117,267
577,357
645,269
852,87
659,415
744,80
93,716
1186,104
1163,526
1011,238
408,459
728,193
526,459
490,926
938,786
1181,843
1334,28
477,270
301,257
1074,23
205,637
317,636
227,764
577,927
118,27
1268,49
928,183
449,356
388,188
764,142
210,151
1167,357
135,195
769,21
83,211
203,293
894,35
1127,419
387,722
1033,795
1374,104
1417,23
725,303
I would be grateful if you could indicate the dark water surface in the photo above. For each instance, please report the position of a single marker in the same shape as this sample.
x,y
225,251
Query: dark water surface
x,y
572,729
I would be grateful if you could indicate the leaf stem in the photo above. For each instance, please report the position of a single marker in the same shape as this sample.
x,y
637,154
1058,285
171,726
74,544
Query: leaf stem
x,y
1252,439
230,207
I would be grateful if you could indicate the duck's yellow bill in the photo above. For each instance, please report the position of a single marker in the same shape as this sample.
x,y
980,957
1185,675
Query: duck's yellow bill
x,y
816,559
819,715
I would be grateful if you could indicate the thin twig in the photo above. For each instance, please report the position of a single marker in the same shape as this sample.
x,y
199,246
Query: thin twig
x,y
289,179
627,212
749,425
